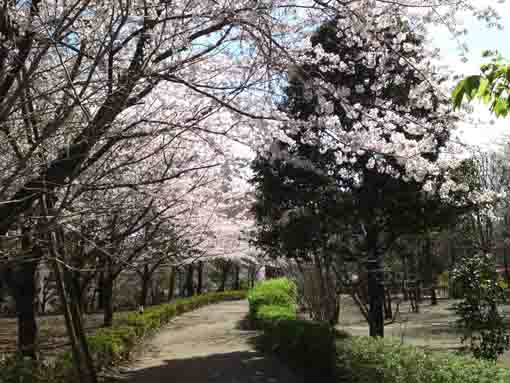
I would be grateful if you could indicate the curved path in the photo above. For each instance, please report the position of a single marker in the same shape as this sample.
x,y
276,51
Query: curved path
x,y
207,346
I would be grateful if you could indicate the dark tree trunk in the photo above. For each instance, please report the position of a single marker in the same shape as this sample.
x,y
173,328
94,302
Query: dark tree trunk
x,y
27,325
417,294
189,280
200,272
21,281
507,270
405,291
252,272
77,319
107,293
182,289
99,289
433,296
171,284
144,292
375,292
388,312
225,269
237,281
419,290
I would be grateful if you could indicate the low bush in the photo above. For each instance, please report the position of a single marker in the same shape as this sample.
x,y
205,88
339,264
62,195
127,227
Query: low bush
x,y
108,345
273,292
273,313
335,356
363,359
300,342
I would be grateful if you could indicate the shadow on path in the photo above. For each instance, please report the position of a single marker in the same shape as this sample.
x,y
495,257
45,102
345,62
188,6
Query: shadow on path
x,y
234,367
209,345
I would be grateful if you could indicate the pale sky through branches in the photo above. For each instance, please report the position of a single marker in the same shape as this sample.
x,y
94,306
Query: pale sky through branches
x,y
489,131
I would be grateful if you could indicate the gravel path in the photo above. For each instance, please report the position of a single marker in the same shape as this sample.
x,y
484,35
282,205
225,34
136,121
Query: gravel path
x,y
207,345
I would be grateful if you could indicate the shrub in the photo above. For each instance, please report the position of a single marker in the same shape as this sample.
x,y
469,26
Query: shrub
x,y
481,320
108,345
16,369
276,292
363,359
274,313
335,356
300,342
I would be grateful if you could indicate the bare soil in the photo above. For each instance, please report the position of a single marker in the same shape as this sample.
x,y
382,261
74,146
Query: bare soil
x,y
52,332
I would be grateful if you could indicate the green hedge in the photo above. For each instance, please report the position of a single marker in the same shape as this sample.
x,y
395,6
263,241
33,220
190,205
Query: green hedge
x,y
110,345
273,292
301,343
363,359
340,358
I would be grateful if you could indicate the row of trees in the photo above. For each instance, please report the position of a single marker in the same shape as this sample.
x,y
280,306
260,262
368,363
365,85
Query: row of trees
x,y
125,125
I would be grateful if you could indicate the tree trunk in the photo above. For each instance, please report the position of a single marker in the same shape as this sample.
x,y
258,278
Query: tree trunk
x,y
417,294
76,312
237,281
200,272
189,280
336,319
171,284
375,292
405,291
182,287
27,325
433,296
99,289
388,312
107,293
507,270
225,269
145,279
81,356
21,281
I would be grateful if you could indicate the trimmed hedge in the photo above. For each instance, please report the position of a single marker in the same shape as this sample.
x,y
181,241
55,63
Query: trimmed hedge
x,y
274,292
110,345
363,359
300,342
337,357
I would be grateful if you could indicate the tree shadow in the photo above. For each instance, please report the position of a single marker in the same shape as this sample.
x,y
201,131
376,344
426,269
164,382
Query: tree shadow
x,y
240,367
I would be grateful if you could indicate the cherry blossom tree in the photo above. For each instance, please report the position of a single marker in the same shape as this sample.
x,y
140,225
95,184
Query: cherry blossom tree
x,y
89,89
366,146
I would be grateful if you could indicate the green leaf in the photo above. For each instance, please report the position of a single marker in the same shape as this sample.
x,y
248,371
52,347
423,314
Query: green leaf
x,y
500,107
471,86
468,87
483,88
458,94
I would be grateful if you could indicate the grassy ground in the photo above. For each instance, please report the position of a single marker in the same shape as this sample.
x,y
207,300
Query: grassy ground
x,y
432,328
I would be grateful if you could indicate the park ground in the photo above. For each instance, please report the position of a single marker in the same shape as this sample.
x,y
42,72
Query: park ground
x,y
433,328
209,345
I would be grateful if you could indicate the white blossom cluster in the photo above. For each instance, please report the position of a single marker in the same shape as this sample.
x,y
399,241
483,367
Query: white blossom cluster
x,y
379,103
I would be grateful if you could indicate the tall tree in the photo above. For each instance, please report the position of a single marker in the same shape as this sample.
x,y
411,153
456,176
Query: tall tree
x,y
364,149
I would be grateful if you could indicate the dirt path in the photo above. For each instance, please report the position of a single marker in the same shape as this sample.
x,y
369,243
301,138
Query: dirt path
x,y
207,346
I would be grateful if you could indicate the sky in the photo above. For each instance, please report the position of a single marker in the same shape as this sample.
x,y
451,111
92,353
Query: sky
x,y
490,131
